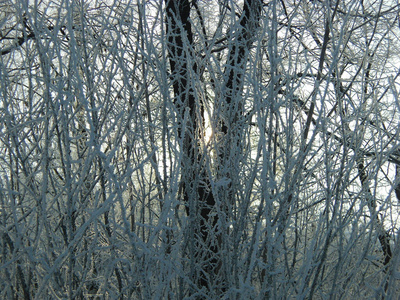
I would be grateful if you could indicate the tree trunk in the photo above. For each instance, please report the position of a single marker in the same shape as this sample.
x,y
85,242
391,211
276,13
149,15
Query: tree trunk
x,y
199,200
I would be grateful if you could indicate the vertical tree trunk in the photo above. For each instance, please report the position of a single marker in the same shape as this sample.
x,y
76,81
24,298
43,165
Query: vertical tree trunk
x,y
233,74
199,200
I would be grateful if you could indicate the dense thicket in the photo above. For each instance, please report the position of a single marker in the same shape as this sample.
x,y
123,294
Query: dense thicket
x,y
199,149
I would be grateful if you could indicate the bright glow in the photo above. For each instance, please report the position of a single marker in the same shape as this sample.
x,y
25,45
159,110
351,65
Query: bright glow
x,y
208,134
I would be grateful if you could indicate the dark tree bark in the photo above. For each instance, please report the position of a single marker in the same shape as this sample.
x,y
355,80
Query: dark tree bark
x,y
237,60
199,199
203,248
232,123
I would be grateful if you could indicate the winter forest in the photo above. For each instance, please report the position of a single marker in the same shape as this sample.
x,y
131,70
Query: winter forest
x,y
199,149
